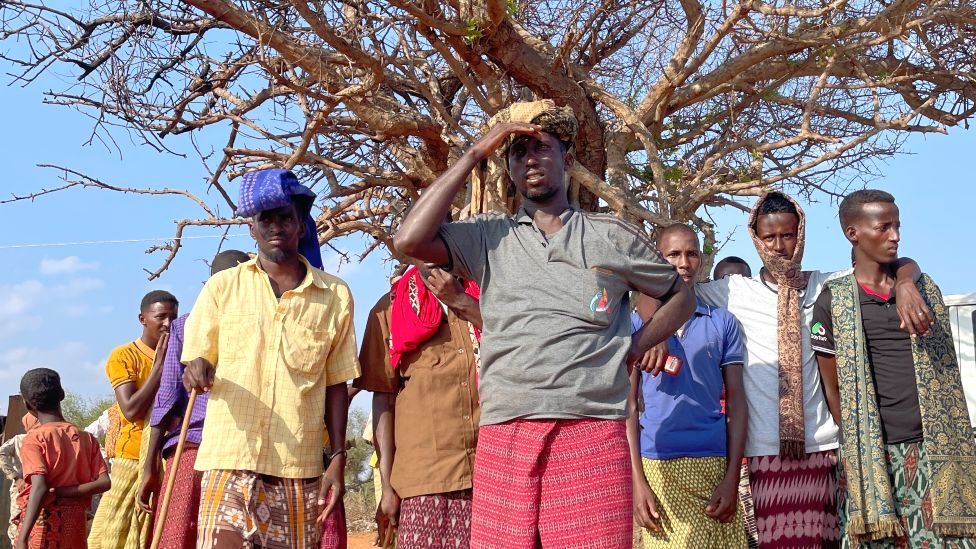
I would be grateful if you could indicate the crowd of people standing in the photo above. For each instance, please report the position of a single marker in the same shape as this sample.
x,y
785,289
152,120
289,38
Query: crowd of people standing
x,y
542,379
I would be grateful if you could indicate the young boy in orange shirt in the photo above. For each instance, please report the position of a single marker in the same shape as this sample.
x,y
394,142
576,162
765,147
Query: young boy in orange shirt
x,y
62,466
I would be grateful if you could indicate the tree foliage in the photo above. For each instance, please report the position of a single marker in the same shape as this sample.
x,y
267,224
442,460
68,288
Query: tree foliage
x,y
82,410
683,105
358,472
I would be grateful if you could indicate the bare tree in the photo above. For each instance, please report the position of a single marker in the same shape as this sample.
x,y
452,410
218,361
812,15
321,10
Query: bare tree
x,y
682,104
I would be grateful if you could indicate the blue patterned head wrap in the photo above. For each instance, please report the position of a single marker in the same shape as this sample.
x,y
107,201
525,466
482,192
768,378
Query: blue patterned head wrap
x,y
276,188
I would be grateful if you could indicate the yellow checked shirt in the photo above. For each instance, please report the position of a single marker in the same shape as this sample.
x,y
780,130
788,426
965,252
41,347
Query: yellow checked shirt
x,y
274,359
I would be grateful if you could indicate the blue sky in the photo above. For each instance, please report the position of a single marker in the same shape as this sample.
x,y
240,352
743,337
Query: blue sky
x,y
66,307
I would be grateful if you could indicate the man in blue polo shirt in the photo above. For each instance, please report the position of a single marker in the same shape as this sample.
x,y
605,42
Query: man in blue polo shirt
x,y
685,456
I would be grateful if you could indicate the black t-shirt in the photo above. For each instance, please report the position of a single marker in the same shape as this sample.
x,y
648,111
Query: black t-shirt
x,y
890,357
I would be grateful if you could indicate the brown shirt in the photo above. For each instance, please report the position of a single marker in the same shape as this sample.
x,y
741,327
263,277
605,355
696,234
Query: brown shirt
x,y
437,411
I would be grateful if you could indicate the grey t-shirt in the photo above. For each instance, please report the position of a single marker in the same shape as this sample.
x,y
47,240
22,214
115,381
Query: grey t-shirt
x,y
556,311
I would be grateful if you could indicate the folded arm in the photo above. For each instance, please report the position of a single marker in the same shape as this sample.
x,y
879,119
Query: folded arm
x,y
915,315
675,309
86,490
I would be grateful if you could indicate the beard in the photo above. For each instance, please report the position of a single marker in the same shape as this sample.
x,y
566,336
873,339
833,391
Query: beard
x,y
540,195
276,255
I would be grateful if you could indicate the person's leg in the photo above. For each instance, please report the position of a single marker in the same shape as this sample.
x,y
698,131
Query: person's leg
x,y
587,495
435,521
117,512
284,511
795,500
14,511
909,471
224,517
180,527
505,499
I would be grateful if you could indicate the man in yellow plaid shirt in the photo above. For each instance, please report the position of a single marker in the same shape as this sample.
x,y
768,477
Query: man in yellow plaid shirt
x,y
273,341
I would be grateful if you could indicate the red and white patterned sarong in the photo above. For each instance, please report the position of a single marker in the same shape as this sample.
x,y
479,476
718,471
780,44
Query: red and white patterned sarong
x,y
435,521
796,501
334,531
561,483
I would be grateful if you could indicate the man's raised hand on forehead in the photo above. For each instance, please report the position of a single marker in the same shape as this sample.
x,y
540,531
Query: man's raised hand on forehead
x,y
418,234
499,134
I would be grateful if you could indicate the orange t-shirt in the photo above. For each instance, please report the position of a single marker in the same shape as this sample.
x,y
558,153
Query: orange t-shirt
x,y
63,453
130,363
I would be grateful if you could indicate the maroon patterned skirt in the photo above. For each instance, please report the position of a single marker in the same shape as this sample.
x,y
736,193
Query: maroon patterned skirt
x,y
435,521
180,527
796,501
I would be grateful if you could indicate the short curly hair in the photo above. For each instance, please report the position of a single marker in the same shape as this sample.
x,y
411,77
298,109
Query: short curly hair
x,y
157,296
851,207
41,389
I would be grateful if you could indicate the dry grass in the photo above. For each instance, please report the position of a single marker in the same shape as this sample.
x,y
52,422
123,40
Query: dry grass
x,y
361,508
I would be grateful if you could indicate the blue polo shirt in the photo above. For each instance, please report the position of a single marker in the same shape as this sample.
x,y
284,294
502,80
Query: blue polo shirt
x,y
682,415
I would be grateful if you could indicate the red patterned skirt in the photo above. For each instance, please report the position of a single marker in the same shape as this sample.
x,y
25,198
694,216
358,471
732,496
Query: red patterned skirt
x,y
435,521
561,483
61,525
796,501
334,532
180,528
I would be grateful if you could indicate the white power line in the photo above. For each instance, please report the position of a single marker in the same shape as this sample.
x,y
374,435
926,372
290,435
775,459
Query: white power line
x,y
125,241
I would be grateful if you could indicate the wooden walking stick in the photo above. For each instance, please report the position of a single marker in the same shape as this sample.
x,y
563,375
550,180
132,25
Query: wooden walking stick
x,y
164,504
389,540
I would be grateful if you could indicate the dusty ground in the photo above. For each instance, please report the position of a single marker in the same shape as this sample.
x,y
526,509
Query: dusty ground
x,y
361,540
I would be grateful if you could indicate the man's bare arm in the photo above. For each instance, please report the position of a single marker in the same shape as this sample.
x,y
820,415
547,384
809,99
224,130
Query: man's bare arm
x,y
32,510
384,442
831,388
674,311
149,486
722,505
135,403
100,485
333,480
645,506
